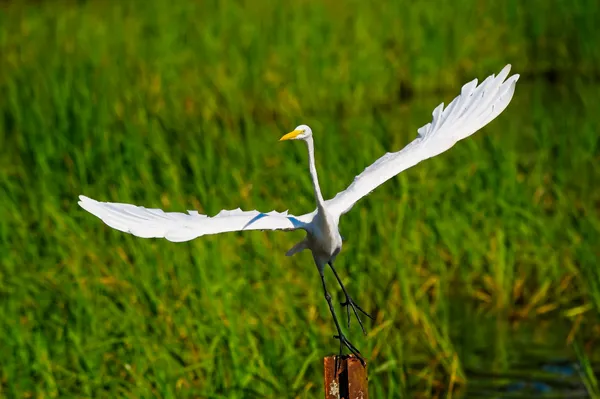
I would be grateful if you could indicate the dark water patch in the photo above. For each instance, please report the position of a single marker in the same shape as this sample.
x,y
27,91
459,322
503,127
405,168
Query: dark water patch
x,y
558,379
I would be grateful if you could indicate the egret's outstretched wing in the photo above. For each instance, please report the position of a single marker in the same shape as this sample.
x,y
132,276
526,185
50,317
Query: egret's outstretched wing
x,y
475,107
177,227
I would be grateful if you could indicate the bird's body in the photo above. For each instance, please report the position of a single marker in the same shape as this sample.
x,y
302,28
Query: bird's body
x,y
474,108
324,240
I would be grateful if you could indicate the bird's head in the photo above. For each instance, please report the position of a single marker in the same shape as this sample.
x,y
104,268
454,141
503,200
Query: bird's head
x,y
301,132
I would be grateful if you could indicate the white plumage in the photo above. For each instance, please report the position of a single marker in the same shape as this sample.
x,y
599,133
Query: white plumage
x,y
177,227
475,107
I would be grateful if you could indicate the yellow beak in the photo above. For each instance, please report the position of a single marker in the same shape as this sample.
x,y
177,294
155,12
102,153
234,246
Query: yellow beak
x,y
290,135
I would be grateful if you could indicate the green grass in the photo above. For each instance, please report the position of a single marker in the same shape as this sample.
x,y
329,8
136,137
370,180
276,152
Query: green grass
x,y
484,258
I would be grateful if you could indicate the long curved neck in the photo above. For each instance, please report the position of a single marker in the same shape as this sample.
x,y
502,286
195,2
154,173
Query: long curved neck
x,y
313,173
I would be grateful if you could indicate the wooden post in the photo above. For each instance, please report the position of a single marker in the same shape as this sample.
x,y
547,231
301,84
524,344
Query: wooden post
x,y
350,382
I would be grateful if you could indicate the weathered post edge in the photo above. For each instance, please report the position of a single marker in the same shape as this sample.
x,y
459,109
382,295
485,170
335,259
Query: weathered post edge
x,y
351,381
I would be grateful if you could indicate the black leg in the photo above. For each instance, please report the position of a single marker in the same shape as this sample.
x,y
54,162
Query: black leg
x,y
340,336
349,303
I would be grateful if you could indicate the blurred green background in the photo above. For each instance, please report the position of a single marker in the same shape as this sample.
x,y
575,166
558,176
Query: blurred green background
x,y
481,265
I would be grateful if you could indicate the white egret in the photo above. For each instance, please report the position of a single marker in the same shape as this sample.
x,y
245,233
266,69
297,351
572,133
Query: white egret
x,y
474,108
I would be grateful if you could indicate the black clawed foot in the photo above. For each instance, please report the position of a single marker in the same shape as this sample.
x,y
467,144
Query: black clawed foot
x,y
344,342
349,303
340,336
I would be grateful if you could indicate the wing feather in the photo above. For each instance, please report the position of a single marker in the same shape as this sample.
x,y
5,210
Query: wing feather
x,y
475,107
176,226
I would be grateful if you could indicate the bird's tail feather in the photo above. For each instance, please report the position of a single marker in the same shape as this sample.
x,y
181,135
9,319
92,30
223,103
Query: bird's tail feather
x,y
302,245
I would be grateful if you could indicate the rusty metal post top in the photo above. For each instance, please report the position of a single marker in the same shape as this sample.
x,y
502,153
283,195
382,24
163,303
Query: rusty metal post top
x,y
350,381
